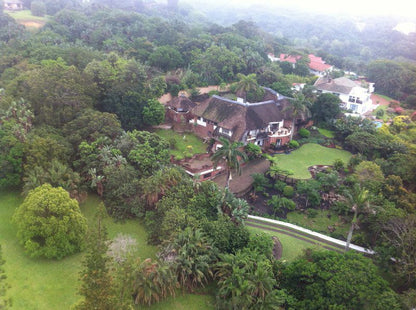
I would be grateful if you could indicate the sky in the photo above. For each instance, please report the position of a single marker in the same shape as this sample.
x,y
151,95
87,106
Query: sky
x,y
405,8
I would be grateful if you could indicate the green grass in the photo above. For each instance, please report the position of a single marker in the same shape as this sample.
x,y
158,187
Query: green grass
x,y
26,15
292,247
185,144
308,155
51,284
319,223
326,132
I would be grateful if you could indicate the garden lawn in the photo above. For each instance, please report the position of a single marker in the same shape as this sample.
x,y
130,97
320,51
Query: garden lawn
x,y
326,132
26,18
185,145
292,247
307,155
53,284
320,222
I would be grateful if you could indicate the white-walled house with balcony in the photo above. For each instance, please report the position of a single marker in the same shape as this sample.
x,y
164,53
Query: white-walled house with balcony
x,y
355,98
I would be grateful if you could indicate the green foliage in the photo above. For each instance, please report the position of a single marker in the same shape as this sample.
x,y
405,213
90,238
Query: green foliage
x,y
369,175
326,280
152,282
288,191
153,112
166,58
252,150
38,8
293,144
338,165
304,133
4,301
97,283
50,223
326,108
261,243
380,113
225,235
260,182
310,190
245,281
278,203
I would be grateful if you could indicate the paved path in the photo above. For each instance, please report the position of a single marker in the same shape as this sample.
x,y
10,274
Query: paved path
x,y
241,183
291,228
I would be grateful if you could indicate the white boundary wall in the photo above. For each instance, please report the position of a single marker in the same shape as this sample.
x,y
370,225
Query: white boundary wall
x,y
312,233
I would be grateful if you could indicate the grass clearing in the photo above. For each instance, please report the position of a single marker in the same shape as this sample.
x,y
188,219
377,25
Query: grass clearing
x,y
26,18
53,284
185,145
319,223
326,132
307,155
292,247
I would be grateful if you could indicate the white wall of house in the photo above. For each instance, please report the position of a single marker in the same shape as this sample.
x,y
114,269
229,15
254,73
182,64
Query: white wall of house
x,y
358,100
226,132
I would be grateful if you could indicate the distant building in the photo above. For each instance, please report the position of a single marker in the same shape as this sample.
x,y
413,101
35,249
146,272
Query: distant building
x,y
13,5
316,65
354,98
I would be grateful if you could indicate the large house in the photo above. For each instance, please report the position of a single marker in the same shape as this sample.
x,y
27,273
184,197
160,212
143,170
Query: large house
x,y
13,5
267,123
354,98
317,65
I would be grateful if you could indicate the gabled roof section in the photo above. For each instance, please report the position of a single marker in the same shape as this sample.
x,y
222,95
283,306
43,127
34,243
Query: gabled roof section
x,y
340,85
181,103
317,64
240,117
289,58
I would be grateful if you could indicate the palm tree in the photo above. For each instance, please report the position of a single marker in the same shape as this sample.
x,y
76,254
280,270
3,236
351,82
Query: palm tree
x,y
358,198
299,105
246,83
230,153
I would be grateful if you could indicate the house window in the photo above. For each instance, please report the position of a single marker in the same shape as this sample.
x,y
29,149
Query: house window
x,y
226,131
207,175
351,99
353,107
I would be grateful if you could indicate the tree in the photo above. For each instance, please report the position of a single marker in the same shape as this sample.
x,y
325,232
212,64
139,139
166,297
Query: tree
x,y
153,112
357,198
326,108
38,8
309,188
246,84
369,175
50,223
329,280
230,153
299,106
97,283
166,58
4,302
278,203
153,282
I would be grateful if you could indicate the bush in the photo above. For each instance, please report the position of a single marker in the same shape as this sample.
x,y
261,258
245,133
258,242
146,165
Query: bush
x,y
304,133
279,185
312,213
288,191
38,8
338,165
50,223
380,113
252,150
293,144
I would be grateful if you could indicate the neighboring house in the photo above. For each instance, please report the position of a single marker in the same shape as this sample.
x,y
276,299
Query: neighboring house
x,y
13,5
179,108
316,65
267,123
354,97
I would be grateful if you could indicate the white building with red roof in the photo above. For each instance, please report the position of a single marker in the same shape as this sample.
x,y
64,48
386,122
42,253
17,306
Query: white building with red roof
x,y
317,65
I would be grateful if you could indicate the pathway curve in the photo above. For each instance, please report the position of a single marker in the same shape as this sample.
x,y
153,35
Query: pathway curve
x,y
240,184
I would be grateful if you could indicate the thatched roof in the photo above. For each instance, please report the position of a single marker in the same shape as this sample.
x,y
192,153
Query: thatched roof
x,y
241,117
181,103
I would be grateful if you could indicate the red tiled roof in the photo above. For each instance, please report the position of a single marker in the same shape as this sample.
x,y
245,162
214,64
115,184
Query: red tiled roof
x,y
317,64
289,58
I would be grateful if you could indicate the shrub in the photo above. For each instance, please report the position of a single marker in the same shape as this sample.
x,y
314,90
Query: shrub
x,y
288,191
279,185
380,113
293,144
312,213
399,110
338,165
304,133
252,150
260,182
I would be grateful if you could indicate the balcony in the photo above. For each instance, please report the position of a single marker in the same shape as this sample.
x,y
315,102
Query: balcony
x,y
282,132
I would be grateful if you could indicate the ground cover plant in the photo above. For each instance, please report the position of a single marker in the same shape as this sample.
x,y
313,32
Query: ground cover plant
x,y
183,145
326,132
308,155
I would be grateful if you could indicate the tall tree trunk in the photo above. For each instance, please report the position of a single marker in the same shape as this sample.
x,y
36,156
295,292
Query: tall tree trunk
x,y
349,237
229,178
293,128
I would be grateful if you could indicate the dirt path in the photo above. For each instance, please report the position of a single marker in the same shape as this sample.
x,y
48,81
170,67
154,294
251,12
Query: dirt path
x,y
380,100
241,183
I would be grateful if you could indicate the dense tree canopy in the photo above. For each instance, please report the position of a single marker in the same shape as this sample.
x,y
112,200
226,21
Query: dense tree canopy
x,y
50,223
